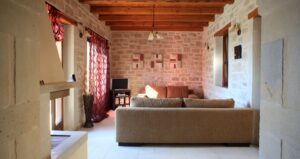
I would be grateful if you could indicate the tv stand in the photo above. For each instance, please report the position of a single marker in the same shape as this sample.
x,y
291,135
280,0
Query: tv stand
x,y
120,97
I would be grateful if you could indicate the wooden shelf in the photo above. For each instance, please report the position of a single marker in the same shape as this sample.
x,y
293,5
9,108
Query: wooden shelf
x,y
120,97
53,87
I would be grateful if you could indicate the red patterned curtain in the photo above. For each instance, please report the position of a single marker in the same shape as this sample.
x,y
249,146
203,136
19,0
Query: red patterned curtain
x,y
56,24
99,78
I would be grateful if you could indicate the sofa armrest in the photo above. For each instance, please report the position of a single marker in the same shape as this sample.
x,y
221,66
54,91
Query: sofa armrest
x,y
194,96
142,95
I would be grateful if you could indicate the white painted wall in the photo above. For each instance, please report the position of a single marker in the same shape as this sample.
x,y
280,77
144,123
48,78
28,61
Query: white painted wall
x,y
242,74
280,88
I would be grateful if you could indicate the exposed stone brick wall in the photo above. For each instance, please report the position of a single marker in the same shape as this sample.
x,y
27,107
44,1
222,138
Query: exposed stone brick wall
x,y
80,13
125,44
240,75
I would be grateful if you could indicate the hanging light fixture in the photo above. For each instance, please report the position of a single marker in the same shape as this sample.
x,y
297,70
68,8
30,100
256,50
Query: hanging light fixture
x,y
154,34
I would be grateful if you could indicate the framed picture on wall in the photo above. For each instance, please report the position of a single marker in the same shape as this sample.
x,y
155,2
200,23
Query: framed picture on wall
x,y
157,61
175,61
238,52
137,61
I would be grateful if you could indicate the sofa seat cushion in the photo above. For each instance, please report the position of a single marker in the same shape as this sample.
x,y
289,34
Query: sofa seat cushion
x,y
153,91
208,103
155,103
177,92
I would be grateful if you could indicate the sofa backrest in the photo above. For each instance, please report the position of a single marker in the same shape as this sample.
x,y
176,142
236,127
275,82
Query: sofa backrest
x,y
186,125
177,92
156,103
179,102
208,103
153,91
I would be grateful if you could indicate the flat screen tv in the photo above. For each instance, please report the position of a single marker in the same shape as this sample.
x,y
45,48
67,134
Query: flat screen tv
x,y
119,83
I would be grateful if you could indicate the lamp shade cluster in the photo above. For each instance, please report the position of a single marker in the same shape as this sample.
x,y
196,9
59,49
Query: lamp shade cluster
x,y
154,35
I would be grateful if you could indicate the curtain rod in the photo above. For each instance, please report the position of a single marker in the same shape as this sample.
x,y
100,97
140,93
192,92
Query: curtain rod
x,y
88,29
63,16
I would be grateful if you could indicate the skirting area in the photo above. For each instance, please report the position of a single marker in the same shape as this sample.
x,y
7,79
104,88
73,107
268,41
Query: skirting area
x,y
102,145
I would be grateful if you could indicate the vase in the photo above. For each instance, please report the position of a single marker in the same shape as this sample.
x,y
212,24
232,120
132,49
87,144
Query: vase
x,y
88,105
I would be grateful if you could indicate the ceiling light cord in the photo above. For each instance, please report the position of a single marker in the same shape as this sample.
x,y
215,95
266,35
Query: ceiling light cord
x,y
154,34
153,18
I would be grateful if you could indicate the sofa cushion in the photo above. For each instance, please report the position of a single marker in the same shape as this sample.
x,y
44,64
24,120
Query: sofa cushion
x,y
177,92
208,103
152,102
153,91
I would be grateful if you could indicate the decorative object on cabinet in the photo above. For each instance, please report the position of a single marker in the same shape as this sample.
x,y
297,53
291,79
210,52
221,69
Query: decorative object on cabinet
x,y
88,104
237,28
120,97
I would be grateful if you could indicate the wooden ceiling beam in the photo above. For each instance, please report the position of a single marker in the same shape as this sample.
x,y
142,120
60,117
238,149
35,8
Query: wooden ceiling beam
x,y
177,18
170,15
159,23
158,11
161,3
159,28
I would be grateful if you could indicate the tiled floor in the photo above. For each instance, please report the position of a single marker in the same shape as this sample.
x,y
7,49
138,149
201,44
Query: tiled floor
x,y
102,145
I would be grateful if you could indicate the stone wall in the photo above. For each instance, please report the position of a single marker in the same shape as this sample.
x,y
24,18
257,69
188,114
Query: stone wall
x,y
20,44
80,13
280,109
125,44
24,112
241,72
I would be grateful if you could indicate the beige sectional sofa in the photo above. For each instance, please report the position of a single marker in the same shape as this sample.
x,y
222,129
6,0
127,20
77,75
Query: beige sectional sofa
x,y
140,124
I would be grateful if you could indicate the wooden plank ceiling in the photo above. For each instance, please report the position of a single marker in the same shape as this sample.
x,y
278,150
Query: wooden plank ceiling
x,y
170,15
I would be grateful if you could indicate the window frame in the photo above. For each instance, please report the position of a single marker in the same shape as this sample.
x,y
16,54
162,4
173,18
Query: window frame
x,y
223,35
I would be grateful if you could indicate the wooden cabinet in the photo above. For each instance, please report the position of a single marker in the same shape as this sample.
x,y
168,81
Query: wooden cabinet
x,y
120,97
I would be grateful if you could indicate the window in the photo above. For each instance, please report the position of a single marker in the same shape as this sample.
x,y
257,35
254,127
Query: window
x,y
56,117
225,60
59,46
221,65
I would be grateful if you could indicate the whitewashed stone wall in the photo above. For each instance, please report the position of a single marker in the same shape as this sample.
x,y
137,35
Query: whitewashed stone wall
x,y
21,130
125,44
24,112
240,71
280,88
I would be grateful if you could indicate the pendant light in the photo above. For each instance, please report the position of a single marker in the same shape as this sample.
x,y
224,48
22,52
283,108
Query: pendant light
x,y
154,34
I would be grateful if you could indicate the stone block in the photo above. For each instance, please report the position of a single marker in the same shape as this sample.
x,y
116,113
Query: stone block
x,y
22,147
13,123
292,78
44,125
27,72
7,88
7,149
271,71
